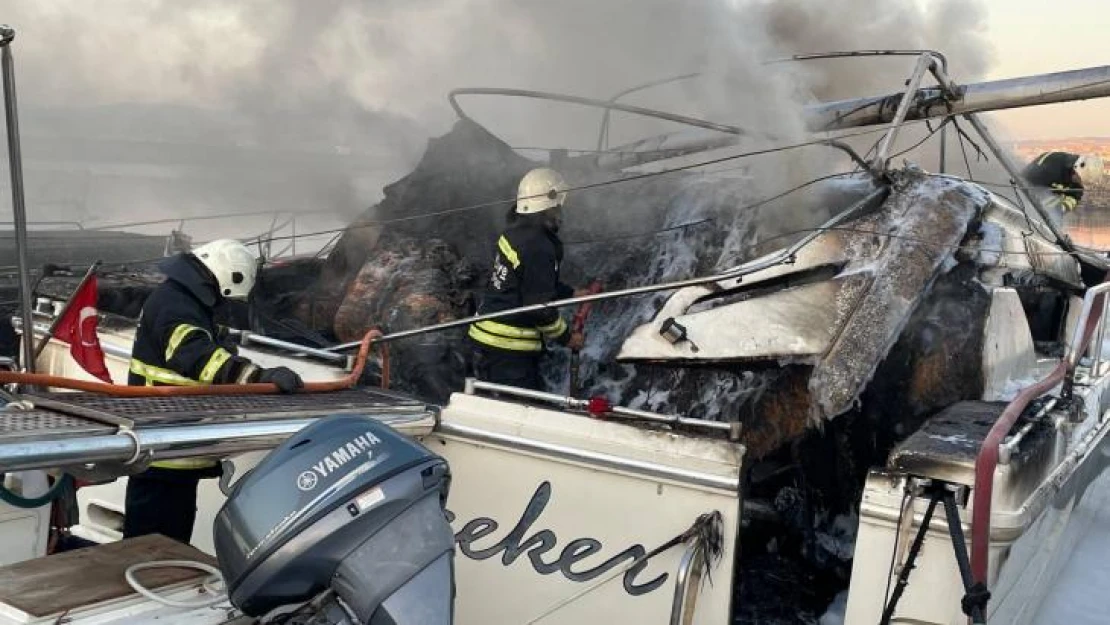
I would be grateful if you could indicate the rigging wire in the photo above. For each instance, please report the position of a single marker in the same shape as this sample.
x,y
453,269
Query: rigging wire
x,y
642,235
1014,186
588,186
709,219
338,232
963,150
603,183
921,240
930,135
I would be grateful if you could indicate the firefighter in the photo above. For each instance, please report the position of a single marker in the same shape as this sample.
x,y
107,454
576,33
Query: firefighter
x,y
1063,177
177,343
525,272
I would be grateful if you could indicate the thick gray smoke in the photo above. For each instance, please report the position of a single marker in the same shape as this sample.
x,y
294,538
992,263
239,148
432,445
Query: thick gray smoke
x,y
144,109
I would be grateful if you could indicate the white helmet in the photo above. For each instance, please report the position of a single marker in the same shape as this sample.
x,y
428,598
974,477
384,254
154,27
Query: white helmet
x,y
234,266
1089,168
540,189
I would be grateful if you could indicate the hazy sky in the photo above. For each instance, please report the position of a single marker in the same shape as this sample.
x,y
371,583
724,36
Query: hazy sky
x,y
1035,36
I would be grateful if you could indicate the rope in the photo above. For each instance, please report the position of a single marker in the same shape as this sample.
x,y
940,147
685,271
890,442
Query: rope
x,y
214,576
976,595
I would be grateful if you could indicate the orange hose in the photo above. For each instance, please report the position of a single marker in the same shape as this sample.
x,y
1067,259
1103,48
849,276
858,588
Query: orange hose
x,y
117,390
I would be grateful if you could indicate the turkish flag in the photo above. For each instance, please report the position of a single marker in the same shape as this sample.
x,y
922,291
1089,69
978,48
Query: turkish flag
x,y
78,328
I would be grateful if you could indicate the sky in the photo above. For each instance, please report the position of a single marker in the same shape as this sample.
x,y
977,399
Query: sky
x,y
1038,36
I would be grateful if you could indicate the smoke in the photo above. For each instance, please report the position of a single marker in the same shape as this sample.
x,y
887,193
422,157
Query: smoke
x,y
297,106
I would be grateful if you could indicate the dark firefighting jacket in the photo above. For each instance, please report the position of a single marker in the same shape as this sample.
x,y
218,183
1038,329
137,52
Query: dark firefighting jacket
x,y
525,272
177,340
1054,171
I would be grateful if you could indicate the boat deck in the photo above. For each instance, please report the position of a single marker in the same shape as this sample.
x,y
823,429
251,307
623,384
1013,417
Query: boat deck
x,y
59,584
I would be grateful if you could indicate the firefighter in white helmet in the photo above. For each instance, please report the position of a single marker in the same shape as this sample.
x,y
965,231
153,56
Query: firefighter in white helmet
x,y
525,271
177,343
1062,178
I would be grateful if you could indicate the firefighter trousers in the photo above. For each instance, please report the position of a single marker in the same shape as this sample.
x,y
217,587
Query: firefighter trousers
x,y
521,370
163,501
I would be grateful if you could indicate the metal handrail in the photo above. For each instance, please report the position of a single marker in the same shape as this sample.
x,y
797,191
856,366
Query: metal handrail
x,y
174,220
987,459
603,132
843,54
593,102
574,403
76,224
939,68
1076,347
178,441
247,338
689,569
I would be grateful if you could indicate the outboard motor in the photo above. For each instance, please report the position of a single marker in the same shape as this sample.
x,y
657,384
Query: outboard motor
x,y
345,522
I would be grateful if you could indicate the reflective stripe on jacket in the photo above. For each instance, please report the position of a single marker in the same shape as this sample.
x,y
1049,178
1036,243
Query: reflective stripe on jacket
x,y
525,272
175,341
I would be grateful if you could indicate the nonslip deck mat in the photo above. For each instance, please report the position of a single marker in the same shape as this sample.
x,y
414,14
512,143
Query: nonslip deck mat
x,y
40,423
75,579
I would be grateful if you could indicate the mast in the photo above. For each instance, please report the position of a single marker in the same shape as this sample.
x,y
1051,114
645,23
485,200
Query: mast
x,y
925,103
997,95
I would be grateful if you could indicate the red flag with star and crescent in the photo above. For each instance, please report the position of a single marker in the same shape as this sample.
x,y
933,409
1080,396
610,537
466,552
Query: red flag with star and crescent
x,y
77,327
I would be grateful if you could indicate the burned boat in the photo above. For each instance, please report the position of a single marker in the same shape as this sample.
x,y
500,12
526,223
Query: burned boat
x,y
866,358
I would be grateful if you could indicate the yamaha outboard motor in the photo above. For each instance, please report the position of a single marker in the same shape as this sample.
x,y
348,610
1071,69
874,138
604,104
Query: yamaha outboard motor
x,y
345,522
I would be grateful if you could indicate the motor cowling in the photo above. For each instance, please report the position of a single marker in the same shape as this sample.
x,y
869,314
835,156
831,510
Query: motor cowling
x,y
346,505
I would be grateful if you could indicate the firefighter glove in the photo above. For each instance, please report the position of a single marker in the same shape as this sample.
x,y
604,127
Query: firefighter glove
x,y
284,378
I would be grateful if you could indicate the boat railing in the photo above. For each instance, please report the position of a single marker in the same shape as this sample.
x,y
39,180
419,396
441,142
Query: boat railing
x,y
246,339
48,224
598,406
687,583
1090,325
283,227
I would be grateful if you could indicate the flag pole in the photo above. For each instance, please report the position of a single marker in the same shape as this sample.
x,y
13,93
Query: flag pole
x,y
29,330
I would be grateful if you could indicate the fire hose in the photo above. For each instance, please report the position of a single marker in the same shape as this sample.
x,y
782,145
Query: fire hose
x,y
117,390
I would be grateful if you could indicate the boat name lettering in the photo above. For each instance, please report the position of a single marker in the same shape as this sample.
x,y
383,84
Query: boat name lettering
x,y
517,543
